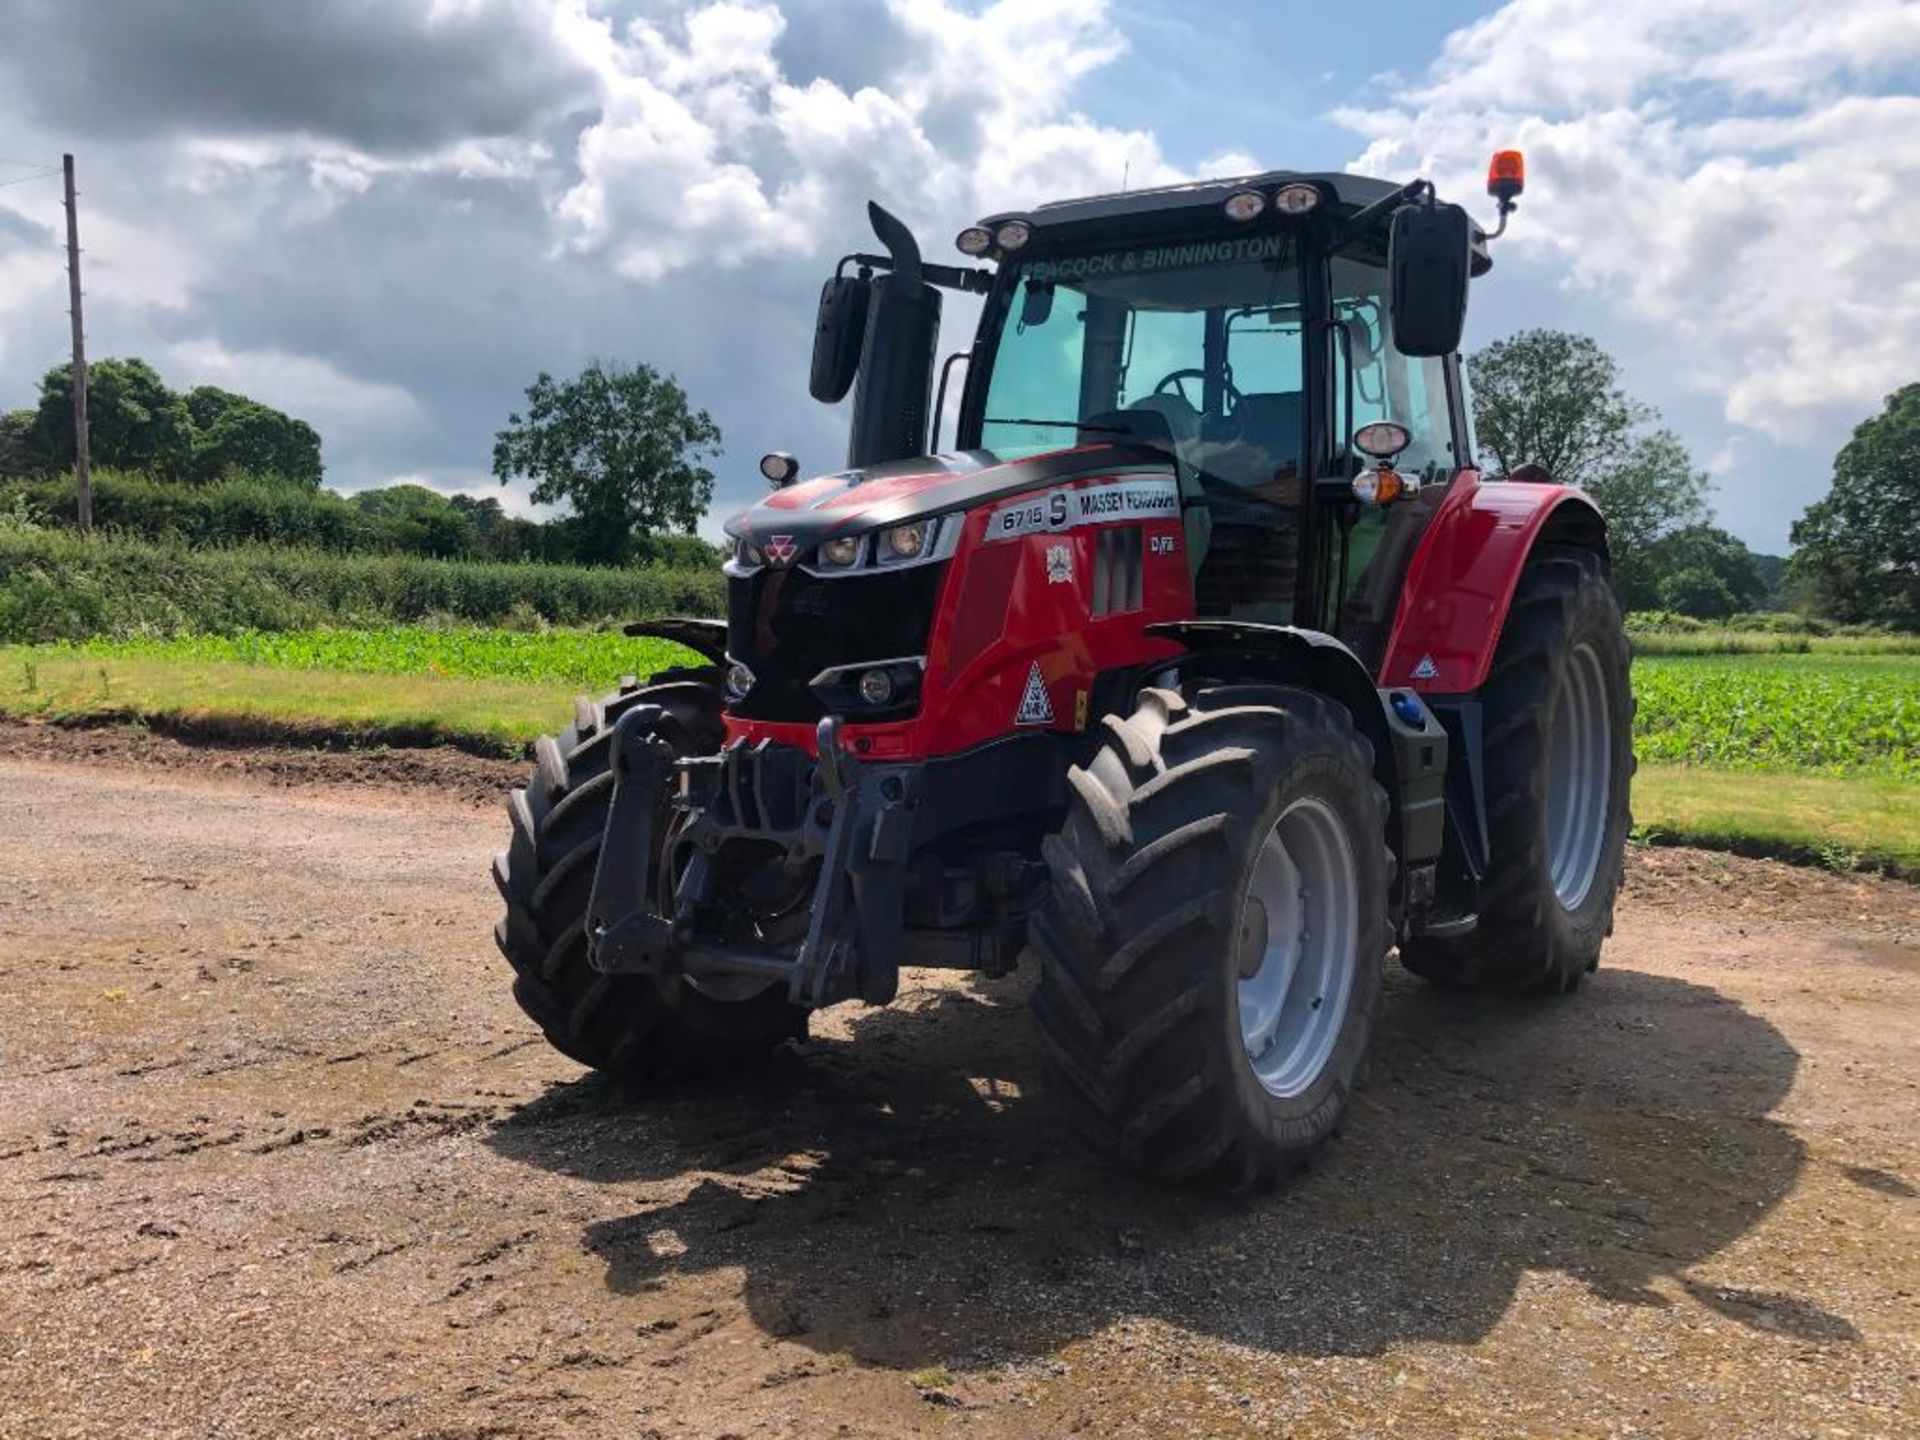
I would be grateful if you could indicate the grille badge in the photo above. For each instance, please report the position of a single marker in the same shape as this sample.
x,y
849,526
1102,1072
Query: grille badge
x,y
779,549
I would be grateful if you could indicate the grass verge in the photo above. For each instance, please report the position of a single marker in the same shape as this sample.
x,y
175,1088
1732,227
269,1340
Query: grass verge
x,y
1844,822
238,701
1841,821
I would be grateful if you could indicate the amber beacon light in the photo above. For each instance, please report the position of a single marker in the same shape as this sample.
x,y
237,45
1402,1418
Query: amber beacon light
x,y
1507,175
1506,178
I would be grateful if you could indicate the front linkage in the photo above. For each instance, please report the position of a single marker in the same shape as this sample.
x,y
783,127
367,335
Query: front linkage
x,y
852,820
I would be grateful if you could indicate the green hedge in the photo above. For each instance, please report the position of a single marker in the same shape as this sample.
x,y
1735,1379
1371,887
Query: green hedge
x,y
242,509
55,585
235,510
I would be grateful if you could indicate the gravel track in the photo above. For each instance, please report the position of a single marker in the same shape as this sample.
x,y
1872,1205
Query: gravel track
x,y
279,1157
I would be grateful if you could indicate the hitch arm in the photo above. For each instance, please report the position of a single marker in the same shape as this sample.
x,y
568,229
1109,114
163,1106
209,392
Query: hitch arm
x,y
623,935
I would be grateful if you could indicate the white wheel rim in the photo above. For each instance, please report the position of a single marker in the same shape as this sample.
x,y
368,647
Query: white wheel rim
x,y
1579,776
1299,948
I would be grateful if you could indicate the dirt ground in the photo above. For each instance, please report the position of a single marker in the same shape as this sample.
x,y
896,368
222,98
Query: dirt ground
x,y
278,1156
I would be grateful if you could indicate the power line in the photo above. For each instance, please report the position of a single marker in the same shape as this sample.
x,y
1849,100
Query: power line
x,y
21,180
24,164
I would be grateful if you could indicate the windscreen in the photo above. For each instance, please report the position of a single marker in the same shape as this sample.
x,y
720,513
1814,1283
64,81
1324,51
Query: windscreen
x,y
1206,334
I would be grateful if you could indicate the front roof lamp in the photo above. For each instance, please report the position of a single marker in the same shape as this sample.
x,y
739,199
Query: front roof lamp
x,y
1012,235
1296,199
974,240
1245,205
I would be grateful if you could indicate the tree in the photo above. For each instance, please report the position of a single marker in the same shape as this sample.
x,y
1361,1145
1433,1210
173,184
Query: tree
x,y
1697,592
23,445
1709,550
231,432
621,446
1859,547
1549,398
134,422
1553,399
1652,491
418,520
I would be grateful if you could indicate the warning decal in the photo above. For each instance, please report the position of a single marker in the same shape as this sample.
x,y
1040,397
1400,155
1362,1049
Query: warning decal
x,y
1035,707
1066,508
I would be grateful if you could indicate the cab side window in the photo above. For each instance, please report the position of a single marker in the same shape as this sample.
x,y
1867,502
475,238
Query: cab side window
x,y
1386,384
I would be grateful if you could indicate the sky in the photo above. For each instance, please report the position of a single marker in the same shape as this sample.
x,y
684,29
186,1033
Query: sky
x,y
387,217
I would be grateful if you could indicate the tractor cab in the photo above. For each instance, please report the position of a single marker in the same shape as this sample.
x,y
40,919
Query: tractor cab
x,y
1243,329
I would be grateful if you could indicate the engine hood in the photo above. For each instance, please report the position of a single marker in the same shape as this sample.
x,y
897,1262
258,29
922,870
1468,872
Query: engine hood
x,y
852,501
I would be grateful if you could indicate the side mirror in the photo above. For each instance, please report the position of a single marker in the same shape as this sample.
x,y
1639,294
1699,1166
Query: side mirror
x,y
837,336
1428,255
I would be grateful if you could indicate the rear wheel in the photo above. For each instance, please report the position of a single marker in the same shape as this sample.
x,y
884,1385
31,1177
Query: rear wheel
x,y
1211,947
626,1024
1558,712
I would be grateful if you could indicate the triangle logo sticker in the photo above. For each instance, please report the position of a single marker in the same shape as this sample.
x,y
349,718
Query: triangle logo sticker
x,y
1035,707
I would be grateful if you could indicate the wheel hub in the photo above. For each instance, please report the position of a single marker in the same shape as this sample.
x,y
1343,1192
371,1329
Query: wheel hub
x,y
1299,947
1579,776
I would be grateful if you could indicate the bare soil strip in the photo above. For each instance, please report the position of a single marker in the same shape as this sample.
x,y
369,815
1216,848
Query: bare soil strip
x,y
278,1156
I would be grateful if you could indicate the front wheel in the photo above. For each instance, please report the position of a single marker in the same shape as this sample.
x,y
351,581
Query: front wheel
x,y
633,1025
1212,943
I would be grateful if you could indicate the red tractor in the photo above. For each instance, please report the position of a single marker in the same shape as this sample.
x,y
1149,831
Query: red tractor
x,y
1205,667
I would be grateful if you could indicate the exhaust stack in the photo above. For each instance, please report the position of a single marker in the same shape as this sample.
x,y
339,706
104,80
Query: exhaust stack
x,y
893,395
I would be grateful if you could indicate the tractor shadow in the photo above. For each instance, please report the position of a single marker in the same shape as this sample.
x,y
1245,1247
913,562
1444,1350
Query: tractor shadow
x,y
907,1197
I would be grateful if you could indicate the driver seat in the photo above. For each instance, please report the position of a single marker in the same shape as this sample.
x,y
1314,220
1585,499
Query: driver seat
x,y
1182,431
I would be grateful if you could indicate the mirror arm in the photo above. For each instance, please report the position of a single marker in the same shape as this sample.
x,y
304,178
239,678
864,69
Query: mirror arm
x,y
1364,220
951,277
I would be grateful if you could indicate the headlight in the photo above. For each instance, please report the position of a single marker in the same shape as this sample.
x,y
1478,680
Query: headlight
x,y
739,681
840,552
905,542
750,554
1012,235
974,240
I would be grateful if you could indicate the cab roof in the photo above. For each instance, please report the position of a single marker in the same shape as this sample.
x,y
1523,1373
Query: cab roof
x,y
1351,190
1197,201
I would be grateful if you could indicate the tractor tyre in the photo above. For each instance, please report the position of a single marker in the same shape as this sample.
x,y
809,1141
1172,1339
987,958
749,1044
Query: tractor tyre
x,y
1212,942
1558,715
629,1025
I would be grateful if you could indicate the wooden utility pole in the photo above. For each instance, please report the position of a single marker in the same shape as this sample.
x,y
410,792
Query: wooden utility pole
x,y
82,468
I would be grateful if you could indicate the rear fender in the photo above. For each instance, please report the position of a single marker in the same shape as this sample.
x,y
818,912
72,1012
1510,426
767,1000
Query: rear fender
x,y
1409,745
1461,580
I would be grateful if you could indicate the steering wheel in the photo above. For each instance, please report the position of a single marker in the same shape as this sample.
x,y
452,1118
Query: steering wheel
x,y
1172,383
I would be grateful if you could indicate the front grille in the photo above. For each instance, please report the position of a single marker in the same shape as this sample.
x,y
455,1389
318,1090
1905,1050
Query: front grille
x,y
787,626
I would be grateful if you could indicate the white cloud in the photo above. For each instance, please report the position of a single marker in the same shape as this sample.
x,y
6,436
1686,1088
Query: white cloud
x,y
705,151
1742,174
303,385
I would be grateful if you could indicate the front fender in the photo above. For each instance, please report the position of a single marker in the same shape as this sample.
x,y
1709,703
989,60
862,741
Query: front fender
x,y
1409,745
706,638
1462,578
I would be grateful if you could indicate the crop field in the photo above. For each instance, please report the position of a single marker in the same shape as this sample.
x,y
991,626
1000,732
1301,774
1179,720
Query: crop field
x,y
1836,733
586,659
1818,714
